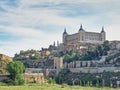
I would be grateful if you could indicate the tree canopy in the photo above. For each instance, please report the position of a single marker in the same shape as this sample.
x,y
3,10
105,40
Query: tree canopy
x,y
16,69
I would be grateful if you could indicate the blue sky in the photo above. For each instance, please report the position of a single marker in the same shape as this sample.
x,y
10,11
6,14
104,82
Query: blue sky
x,y
32,24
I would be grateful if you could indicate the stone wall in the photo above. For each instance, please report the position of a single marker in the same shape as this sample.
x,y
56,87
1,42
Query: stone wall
x,y
94,69
46,72
84,70
44,63
4,77
34,77
108,69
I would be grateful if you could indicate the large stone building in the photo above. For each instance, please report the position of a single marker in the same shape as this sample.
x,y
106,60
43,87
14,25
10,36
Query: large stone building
x,y
84,37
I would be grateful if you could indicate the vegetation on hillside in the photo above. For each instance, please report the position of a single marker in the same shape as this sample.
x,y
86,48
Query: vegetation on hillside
x,y
27,55
88,79
112,57
101,50
96,54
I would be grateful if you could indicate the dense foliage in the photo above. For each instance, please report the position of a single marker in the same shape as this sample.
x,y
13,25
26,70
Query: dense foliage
x,y
87,79
16,69
112,57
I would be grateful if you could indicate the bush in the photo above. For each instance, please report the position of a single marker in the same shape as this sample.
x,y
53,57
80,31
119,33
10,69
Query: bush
x,y
64,85
51,81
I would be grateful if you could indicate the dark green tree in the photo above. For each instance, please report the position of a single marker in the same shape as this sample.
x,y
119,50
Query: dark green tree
x,y
67,58
106,46
16,69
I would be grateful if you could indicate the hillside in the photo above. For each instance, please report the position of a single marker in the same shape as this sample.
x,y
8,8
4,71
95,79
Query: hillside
x,y
4,60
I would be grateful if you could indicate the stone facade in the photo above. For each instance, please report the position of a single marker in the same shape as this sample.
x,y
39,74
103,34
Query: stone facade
x,y
78,64
34,77
83,36
46,72
83,64
58,64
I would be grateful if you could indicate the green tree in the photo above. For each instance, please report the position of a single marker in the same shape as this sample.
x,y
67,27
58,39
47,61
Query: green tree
x,y
16,69
77,56
90,47
67,58
22,52
106,43
51,81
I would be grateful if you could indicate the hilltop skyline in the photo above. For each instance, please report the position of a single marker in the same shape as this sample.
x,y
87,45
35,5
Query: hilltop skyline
x,y
32,24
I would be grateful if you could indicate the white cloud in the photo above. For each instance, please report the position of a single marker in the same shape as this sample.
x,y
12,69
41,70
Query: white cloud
x,y
20,31
32,39
26,16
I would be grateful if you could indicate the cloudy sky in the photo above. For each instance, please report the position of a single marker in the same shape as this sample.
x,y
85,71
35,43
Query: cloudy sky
x,y
32,24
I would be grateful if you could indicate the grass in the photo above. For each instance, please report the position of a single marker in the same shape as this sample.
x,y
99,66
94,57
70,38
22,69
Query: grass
x,y
52,87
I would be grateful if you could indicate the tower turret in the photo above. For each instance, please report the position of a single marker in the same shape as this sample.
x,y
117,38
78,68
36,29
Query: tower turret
x,y
64,36
102,31
103,35
81,34
81,28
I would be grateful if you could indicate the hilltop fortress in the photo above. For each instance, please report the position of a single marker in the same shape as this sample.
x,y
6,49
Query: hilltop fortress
x,y
78,54
84,37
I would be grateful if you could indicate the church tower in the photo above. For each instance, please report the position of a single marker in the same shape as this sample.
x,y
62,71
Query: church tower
x,y
103,35
64,36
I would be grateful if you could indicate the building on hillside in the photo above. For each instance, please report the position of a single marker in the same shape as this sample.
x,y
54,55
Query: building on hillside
x,y
84,37
115,45
45,53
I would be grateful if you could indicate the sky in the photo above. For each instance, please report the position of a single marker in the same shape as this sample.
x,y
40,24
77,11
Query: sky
x,y
33,24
